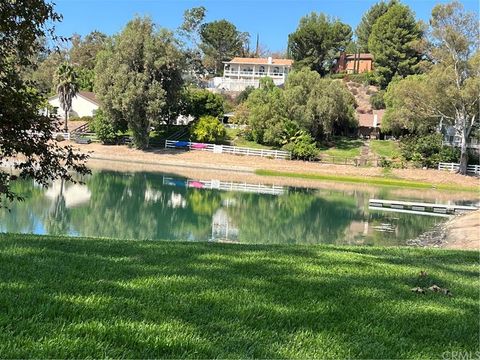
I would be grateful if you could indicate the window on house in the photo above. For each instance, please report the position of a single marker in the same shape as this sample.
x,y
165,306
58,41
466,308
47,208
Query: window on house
x,y
276,70
261,69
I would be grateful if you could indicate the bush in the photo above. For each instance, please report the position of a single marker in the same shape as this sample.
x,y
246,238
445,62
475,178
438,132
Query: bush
x,y
303,148
338,76
87,119
376,100
427,150
103,128
59,138
209,129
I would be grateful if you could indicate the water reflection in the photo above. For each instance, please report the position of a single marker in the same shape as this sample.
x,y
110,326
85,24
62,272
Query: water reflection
x,y
161,206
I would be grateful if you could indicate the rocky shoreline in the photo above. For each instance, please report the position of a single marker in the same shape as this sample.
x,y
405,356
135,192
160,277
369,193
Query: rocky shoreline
x,y
460,232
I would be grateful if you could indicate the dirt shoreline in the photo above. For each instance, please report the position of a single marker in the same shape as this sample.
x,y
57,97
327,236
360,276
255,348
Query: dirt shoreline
x,y
247,164
461,233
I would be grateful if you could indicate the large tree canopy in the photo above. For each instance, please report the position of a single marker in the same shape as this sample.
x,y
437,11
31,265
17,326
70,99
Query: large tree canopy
x,y
317,41
25,133
364,28
139,78
394,42
449,93
221,41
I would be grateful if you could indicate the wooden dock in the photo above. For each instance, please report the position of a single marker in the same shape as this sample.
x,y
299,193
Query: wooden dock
x,y
419,208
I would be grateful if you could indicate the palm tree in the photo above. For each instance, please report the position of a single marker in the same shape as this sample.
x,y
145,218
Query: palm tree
x,y
67,88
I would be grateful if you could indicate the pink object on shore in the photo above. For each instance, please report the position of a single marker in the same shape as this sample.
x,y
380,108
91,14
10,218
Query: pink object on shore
x,y
196,184
199,146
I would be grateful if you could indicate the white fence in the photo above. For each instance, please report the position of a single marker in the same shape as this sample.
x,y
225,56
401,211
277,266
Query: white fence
x,y
471,169
225,186
226,149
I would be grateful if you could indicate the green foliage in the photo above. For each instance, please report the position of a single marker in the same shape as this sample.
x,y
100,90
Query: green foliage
x,y
83,52
243,96
394,43
209,129
321,106
221,41
139,79
302,147
103,128
86,79
317,41
427,150
266,113
87,118
377,101
366,78
364,28
200,102
21,25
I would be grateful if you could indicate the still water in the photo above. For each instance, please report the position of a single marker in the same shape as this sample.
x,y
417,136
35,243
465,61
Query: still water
x,y
162,206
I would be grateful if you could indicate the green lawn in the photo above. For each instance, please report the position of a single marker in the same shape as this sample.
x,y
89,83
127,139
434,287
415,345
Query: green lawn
x,y
342,148
78,298
385,148
233,136
387,180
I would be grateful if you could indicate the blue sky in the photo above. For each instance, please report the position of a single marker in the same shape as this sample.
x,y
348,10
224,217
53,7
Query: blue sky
x,y
273,20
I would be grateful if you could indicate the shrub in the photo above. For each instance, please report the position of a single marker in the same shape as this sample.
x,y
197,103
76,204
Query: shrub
x,y
338,76
376,100
59,137
209,129
303,148
427,150
103,128
87,119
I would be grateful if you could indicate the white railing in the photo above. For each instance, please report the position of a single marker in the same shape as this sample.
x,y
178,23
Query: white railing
x,y
452,167
470,145
66,135
251,73
225,186
226,149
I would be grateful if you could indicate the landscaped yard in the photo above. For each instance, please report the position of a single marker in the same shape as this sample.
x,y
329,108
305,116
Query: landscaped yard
x,y
385,148
71,298
343,148
233,136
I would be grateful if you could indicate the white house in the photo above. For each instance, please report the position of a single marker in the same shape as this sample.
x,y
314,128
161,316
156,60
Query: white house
x,y
239,73
83,104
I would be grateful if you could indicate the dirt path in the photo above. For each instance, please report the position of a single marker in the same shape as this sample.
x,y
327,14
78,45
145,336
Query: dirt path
x,y
207,160
463,232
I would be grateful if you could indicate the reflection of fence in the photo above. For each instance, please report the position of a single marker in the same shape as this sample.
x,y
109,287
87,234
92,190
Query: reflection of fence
x,y
418,207
227,149
471,169
225,186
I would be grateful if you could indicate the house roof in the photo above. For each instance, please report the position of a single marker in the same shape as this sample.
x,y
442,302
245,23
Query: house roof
x,y
88,95
363,56
259,61
366,120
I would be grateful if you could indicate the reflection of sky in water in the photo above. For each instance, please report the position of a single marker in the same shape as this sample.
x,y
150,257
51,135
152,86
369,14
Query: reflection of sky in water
x,y
154,206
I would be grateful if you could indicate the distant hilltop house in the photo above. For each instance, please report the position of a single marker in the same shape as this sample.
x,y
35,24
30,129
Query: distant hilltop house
x,y
239,73
369,124
354,63
83,104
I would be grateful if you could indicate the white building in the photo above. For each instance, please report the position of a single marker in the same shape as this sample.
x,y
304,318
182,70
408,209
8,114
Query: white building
x,y
83,104
239,73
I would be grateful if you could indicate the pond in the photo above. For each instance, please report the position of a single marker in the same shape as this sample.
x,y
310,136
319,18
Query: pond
x,y
150,205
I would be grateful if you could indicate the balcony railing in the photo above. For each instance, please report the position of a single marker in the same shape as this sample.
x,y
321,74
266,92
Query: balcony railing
x,y
251,73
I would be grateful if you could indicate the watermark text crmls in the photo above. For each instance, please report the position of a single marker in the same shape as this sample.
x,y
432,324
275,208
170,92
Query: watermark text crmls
x,y
460,355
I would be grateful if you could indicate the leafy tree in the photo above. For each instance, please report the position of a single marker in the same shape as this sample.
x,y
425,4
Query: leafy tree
x,y
221,41
192,20
448,93
103,128
267,113
199,102
377,101
67,88
83,52
321,106
243,96
317,41
364,28
139,79
209,129
394,41
302,147
25,132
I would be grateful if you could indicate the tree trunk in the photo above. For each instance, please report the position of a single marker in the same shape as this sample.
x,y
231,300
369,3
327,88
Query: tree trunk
x,y
462,169
66,122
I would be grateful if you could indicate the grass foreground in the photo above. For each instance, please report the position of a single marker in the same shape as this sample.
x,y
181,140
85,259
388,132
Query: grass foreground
x,y
380,181
74,297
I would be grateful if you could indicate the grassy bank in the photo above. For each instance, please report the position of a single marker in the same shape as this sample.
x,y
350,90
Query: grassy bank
x,y
66,298
381,181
